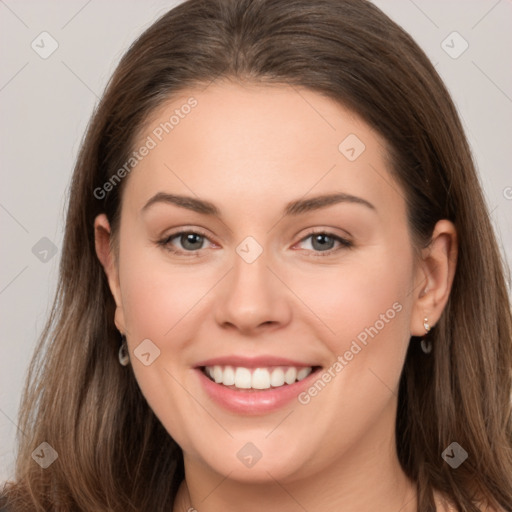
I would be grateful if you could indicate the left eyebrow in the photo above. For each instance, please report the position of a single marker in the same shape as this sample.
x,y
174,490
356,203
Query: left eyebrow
x,y
316,203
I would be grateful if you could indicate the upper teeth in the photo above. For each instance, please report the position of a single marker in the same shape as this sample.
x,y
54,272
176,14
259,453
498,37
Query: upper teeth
x,y
257,378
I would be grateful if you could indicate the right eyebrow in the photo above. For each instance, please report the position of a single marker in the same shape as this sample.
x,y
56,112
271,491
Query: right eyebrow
x,y
190,203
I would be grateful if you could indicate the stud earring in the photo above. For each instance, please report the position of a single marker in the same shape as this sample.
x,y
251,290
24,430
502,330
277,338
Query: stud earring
x,y
124,356
426,345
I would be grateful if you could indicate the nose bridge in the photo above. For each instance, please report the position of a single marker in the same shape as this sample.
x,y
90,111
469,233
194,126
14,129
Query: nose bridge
x,y
252,295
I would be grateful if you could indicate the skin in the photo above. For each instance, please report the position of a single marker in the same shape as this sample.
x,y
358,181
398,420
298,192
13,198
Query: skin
x,y
250,150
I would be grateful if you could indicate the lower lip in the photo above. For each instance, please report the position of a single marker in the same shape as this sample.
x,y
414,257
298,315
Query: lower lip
x,y
252,401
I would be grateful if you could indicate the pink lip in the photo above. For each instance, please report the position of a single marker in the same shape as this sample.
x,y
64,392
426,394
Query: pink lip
x,y
253,362
253,402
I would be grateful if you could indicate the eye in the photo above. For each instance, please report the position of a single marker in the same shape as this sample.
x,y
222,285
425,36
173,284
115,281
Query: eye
x,y
323,242
319,243
184,242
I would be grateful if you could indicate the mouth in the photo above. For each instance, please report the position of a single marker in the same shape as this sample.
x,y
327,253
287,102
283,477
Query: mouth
x,y
256,379
254,387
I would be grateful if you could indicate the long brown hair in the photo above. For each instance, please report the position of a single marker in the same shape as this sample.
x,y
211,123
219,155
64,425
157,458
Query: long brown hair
x,y
113,453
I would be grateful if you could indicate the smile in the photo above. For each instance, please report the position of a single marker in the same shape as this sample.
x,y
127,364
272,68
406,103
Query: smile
x,y
254,385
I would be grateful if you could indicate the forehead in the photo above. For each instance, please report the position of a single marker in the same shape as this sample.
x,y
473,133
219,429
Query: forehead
x,y
259,142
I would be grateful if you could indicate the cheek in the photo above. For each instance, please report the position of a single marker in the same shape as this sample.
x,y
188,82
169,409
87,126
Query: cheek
x,y
157,296
366,296
365,309
158,304
364,305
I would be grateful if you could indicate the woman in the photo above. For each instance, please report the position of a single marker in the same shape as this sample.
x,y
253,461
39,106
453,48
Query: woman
x,y
279,287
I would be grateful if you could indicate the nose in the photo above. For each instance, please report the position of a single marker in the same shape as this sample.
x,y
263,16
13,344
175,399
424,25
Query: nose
x,y
252,299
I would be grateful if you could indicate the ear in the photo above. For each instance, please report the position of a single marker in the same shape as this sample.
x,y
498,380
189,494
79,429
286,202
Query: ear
x,y
105,253
434,277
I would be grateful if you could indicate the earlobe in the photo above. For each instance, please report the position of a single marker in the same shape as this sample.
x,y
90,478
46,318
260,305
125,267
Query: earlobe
x,y
434,278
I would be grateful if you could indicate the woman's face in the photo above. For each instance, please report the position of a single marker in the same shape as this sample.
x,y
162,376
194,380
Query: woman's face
x,y
263,237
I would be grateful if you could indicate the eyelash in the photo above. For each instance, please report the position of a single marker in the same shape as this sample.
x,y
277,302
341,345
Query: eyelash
x,y
166,243
343,243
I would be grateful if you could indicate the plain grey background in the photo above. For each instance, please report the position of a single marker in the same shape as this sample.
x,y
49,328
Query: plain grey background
x,y
46,104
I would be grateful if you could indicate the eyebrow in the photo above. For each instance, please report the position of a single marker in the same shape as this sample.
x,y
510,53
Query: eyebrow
x,y
296,207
